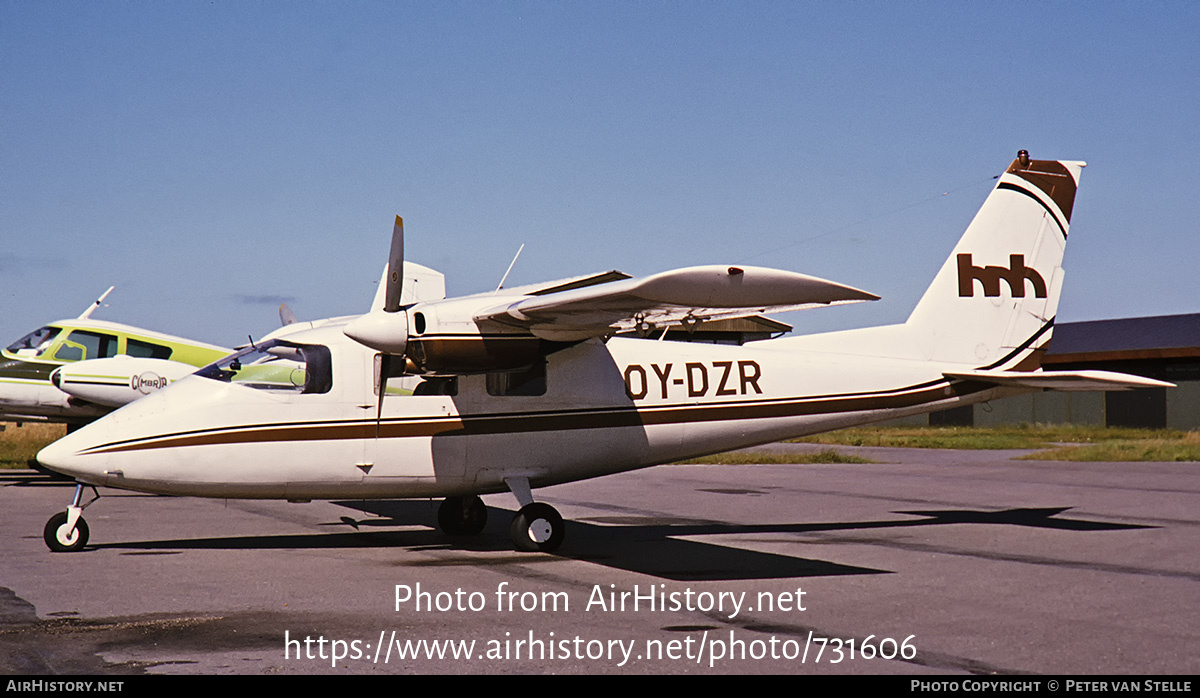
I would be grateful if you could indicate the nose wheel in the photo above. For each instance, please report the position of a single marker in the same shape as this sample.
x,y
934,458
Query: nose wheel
x,y
66,531
62,537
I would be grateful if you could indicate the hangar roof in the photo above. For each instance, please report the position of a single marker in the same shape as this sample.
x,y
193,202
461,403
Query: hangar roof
x,y
1158,337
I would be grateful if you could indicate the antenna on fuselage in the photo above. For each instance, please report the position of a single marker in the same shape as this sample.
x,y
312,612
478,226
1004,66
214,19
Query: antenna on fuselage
x,y
510,267
91,308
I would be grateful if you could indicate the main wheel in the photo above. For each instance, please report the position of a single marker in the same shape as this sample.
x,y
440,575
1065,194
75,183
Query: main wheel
x,y
462,516
537,527
62,541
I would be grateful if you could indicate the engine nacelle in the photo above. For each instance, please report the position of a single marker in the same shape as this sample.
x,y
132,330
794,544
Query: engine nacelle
x,y
478,354
118,380
443,338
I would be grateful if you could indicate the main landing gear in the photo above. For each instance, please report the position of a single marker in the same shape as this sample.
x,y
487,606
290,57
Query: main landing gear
x,y
66,531
462,516
537,527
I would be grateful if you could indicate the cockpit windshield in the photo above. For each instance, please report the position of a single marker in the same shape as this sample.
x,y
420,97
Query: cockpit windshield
x,y
276,365
35,343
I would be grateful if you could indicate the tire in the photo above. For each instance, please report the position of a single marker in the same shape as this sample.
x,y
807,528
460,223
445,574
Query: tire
x,y
537,527
60,543
462,516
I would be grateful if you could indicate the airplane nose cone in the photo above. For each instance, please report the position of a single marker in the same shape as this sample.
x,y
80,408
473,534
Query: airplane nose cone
x,y
63,456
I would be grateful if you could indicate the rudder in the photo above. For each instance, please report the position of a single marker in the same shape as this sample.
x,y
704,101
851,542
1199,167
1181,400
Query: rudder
x,y
993,302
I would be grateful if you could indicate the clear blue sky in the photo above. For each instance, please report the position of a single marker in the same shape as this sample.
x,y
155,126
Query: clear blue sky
x,y
213,158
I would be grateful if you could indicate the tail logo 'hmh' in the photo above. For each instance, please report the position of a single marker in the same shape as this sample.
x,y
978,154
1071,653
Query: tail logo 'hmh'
x,y
990,277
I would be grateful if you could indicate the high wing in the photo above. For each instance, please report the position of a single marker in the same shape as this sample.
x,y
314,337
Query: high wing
x,y
678,297
1067,381
514,328
561,285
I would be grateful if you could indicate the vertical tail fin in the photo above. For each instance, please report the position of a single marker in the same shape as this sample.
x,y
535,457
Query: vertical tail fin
x,y
993,302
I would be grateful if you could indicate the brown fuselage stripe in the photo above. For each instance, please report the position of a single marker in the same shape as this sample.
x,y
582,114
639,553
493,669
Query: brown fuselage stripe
x,y
630,416
549,421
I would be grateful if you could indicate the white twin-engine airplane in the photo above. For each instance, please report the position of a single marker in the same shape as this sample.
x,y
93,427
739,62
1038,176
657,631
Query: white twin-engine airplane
x,y
529,387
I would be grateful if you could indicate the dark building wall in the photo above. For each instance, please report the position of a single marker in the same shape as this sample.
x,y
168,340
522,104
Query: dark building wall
x,y
1141,409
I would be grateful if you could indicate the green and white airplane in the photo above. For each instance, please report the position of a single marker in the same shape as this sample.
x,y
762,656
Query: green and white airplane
x,y
78,370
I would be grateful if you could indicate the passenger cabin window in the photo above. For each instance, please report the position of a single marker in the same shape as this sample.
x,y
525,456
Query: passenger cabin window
x,y
437,386
81,344
276,365
528,381
145,350
35,343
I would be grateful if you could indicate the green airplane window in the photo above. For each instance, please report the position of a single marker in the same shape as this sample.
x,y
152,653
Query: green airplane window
x,y
69,351
145,350
35,343
81,344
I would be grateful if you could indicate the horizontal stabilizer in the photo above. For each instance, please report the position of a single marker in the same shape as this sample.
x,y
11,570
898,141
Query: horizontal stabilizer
x,y
1071,381
677,297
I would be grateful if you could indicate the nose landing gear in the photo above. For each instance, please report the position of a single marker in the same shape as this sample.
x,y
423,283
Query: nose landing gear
x,y
66,531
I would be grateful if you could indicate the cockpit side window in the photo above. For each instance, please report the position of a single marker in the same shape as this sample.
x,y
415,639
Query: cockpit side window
x,y
81,344
318,375
35,343
276,365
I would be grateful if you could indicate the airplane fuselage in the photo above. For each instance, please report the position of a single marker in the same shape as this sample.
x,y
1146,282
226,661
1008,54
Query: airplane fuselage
x,y
603,407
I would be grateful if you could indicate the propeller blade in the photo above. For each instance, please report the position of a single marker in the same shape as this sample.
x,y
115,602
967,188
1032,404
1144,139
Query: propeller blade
x,y
395,280
286,316
391,304
385,366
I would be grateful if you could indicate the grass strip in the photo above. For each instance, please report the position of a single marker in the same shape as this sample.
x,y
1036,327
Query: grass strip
x,y
828,455
20,444
1164,450
1023,436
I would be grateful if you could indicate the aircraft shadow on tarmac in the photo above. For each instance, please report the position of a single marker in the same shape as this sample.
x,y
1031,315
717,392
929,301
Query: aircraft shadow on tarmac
x,y
651,546
34,476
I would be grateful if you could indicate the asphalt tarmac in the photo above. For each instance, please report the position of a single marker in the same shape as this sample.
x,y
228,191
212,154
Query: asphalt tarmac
x,y
945,562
